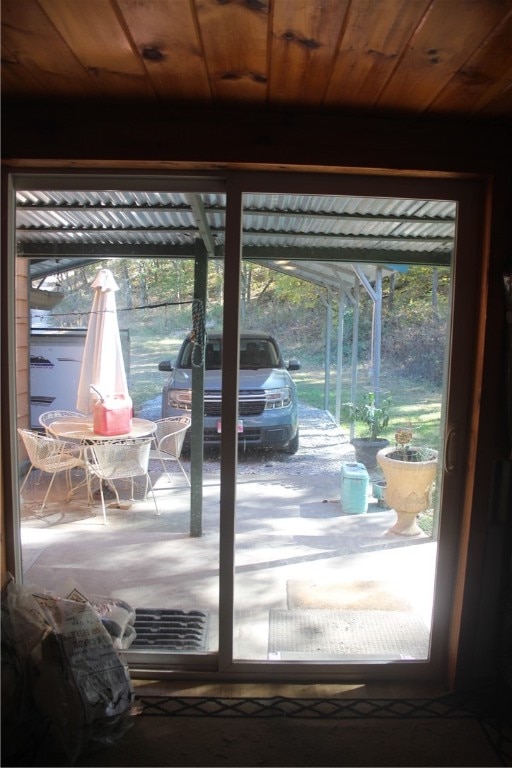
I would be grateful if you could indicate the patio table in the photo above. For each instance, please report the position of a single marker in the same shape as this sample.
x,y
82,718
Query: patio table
x,y
80,428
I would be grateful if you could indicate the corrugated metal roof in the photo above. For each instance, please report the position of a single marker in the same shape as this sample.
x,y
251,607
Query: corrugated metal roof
x,y
304,230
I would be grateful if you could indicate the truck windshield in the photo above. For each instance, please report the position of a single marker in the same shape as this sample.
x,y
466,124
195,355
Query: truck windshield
x,y
254,353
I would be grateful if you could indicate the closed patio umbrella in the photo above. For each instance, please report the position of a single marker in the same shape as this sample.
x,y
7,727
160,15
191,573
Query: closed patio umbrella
x,y
102,362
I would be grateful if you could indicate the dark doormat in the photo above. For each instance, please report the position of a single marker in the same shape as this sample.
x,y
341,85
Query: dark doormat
x,y
170,629
319,634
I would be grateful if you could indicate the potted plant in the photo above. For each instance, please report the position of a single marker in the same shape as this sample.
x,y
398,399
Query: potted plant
x,y
376,418
409,472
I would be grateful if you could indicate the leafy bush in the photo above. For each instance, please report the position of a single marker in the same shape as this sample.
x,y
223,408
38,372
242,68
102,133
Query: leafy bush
x,y
366,411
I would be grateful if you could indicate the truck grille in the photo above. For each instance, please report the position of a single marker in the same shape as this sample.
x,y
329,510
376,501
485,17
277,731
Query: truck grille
x,y
250,403
249,435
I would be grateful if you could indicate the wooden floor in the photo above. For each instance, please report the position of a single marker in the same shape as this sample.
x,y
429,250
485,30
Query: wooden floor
x,y
290,690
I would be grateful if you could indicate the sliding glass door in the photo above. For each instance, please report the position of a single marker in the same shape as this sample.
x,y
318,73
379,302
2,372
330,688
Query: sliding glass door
x,y
294,319
341,564
327,567
151,558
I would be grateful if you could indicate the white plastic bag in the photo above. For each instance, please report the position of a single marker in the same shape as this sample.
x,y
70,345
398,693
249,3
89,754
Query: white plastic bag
x,y
116,615
80,682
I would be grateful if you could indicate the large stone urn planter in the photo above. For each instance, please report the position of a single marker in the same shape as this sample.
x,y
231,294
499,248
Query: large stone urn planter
x,y
408,484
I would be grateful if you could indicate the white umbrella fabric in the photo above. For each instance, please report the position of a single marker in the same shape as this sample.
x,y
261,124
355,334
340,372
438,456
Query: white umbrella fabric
x,y
102,362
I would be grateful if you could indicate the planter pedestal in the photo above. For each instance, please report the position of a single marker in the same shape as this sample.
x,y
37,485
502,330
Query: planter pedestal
x,y
406,524
408,489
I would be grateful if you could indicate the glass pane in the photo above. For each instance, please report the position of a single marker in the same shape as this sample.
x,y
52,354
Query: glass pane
x,y
335,549
158,551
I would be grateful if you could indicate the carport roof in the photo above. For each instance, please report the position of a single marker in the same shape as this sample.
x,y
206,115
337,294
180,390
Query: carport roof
x,y
323,239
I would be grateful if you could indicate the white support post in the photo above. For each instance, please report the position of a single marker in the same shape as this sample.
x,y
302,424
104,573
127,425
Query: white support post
x,y
339,353
328,334
355,355
377,335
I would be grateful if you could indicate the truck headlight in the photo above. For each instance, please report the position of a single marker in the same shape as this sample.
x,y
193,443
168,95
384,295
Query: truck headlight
x,y
278,398
180,398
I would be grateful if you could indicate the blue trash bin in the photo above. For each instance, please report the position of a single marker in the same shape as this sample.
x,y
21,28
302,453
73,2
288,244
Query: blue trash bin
x,y
355,482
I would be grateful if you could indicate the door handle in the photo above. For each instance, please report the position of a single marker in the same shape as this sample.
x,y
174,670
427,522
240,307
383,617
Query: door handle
x,y
450,451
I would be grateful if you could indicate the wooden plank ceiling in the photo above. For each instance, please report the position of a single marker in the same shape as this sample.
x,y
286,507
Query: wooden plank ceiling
x,y
359,57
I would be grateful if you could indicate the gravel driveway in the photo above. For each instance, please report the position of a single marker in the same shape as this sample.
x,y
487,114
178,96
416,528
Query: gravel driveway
x,y
323,446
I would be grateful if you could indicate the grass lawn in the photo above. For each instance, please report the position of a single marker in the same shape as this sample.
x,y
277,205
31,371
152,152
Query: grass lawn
x,y
146,351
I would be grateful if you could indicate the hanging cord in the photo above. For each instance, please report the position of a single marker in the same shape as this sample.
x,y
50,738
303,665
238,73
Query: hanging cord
x,y
198,327
198,334
44,315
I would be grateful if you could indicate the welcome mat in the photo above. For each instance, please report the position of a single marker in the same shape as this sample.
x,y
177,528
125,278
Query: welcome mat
x,y
352,634
170,629
345,595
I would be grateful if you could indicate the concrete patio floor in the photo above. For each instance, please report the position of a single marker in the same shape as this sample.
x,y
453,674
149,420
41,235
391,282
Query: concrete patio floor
x,y
289,528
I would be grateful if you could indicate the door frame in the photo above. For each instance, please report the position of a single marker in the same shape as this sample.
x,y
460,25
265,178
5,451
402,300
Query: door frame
x,y
463,411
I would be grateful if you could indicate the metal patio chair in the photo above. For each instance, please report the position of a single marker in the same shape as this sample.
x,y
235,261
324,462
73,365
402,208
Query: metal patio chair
x,y
168,441
119,460
46,418
48,454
